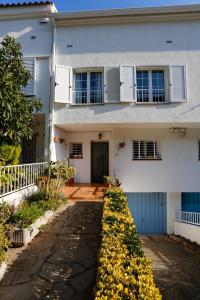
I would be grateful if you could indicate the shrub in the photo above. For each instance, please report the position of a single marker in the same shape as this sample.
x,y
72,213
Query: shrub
x,y
9,154
124,272
5,212
62,170
26,216
4,244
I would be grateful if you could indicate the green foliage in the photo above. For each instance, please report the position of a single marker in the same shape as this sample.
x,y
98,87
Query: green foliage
x,y
5,212
4,244
9,154
16,111
26,216
124,272
60,170
111,181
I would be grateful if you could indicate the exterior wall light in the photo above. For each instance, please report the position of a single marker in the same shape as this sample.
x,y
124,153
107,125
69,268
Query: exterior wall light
x,y
178,130
100,135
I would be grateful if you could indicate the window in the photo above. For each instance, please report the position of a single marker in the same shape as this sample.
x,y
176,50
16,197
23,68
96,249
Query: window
x,y
146,150
76,150
88,87
151,85
30,88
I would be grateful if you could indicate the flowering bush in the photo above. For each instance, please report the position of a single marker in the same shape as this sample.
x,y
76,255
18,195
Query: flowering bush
x,y
124,272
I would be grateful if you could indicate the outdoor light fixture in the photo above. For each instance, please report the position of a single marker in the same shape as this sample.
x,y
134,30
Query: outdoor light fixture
x,y
178,130
100,135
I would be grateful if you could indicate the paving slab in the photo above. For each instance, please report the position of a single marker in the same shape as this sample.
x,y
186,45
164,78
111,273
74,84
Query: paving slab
x,y
61,262
176,267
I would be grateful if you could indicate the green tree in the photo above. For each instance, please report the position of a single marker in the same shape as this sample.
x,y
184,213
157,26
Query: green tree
x,y
17,120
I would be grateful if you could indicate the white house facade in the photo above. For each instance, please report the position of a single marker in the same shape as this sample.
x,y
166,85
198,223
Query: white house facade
x,y
121,96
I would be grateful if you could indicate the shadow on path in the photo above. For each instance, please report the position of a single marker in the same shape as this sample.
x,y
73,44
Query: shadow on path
x,y
60,263
176,268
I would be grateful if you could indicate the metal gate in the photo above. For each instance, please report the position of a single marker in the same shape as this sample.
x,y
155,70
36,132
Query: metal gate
x,y
190,202
149,212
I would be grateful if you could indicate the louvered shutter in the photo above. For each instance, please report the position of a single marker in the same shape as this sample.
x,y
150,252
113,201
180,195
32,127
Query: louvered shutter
x,y
30,88
111,85
178,91
63,84
127,84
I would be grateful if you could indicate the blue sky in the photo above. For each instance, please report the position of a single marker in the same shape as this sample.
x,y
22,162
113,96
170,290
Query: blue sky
x,y
76,5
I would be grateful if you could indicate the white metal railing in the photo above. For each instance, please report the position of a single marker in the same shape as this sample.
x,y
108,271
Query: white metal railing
x,y
148,95
16,177
85,97
188,217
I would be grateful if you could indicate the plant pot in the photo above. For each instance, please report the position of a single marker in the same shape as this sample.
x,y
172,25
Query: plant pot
x,y
3,268
70,181
20,237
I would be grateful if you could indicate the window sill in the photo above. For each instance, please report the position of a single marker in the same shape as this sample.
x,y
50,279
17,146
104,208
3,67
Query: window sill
x,y
146,159
85,104
152,103
76,158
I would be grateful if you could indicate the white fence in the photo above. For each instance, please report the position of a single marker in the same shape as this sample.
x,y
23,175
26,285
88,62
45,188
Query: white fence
x,y
188,217
17,177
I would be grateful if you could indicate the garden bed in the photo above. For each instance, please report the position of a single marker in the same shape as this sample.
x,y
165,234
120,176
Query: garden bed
x,y
20,237
123,270
3,268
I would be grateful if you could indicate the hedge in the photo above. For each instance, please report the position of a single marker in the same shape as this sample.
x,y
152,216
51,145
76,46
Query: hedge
x,y
123,270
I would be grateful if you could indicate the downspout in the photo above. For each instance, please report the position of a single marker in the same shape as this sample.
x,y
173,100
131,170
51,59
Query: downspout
x,y
51,102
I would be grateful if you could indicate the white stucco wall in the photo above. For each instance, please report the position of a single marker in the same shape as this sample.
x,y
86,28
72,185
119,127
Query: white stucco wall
x,y
178,171
137,45
188,231
173,204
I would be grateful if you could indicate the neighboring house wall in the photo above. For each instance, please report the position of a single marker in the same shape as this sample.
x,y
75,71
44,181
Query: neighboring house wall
x,y
36,41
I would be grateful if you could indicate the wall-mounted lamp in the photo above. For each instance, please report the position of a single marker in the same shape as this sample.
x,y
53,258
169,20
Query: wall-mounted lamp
x,y
178,130
100,135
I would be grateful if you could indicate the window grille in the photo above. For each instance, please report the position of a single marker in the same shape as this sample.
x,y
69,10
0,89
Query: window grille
x,y
76,150
145,150
150,86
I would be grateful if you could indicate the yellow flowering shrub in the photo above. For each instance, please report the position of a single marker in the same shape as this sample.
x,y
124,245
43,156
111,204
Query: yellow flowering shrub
x,y
124,273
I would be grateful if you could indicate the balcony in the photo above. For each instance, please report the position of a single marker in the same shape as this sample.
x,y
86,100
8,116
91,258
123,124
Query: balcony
x,y
85,97
151,96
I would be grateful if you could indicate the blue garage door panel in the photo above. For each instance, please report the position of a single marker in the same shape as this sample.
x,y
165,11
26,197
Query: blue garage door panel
x,y
190,202
149,212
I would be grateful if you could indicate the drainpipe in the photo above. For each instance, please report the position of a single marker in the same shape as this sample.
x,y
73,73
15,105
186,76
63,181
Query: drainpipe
x,y
51,102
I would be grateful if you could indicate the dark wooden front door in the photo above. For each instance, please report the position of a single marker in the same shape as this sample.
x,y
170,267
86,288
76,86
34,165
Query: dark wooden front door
x,y
99,161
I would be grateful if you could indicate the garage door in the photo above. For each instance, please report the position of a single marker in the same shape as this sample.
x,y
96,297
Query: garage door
x,y
149,212
191,202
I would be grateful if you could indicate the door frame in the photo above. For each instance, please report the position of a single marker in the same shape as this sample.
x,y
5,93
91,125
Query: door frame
x,y
99,141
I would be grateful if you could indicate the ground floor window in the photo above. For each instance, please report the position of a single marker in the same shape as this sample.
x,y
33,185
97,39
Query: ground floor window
x,y
145,150
76,150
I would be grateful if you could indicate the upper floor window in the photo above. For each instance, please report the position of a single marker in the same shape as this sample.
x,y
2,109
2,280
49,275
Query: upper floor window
x,y
151,86
145,150
30,65
88,87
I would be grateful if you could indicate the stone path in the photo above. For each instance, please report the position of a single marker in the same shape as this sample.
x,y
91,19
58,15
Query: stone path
x,y
60,263
176,267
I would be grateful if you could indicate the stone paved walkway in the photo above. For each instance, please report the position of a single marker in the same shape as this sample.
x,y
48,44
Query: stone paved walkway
x,y
60,263
176,267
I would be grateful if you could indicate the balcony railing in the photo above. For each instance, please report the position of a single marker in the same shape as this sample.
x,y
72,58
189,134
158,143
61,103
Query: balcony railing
x,y
151,96
188,217
17,177
85,97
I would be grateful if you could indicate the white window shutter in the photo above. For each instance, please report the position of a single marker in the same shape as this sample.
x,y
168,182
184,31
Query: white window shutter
x,y
178,91
111,85
30,88
127,84
63,84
